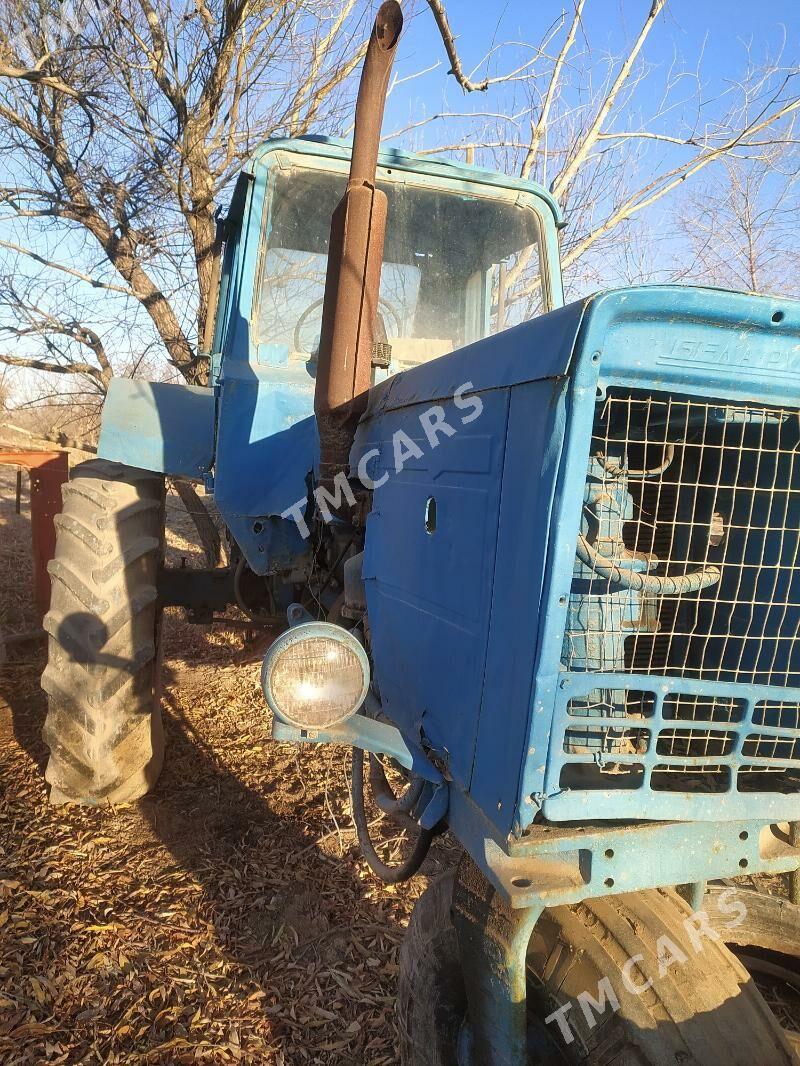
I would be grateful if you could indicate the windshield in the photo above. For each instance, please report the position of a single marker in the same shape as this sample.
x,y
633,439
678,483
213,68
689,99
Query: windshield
x,y
457,267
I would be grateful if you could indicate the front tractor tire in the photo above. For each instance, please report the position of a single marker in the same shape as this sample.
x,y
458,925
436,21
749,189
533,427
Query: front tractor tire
x,y
701,1010
102,678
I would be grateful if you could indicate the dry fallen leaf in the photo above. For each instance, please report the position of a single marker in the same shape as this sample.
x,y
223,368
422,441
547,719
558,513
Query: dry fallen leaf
x,y
221,919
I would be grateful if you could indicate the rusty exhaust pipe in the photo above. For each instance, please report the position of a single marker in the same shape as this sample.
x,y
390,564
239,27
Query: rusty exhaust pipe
x,y
355,257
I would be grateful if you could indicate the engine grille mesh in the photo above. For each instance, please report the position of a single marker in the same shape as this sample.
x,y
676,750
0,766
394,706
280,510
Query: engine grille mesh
x,y
690,569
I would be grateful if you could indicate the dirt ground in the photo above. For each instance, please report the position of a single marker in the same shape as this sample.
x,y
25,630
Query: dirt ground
x,y
227,917
224,918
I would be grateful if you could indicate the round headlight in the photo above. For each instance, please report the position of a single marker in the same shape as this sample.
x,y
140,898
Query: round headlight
x,y
315,675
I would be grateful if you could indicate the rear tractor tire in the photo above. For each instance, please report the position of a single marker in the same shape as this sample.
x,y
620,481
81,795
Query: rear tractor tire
x,y
703,1011
102,679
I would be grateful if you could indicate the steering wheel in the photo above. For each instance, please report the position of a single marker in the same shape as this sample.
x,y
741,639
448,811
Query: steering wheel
x,y
380,331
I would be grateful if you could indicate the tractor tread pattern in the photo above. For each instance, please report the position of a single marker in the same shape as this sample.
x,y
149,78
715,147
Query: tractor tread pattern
x,y
103,725
701,1011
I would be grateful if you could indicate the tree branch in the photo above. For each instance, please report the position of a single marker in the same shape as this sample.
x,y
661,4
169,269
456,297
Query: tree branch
x,y
564,179
54,438
540,128
20,250
456,69
37,76
51,368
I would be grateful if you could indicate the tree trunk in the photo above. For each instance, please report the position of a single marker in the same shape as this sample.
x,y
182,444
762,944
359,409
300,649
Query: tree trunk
x,y
204,524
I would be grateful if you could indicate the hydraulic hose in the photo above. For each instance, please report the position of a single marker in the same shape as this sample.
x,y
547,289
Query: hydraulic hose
x,y
630,579
397,807
392,875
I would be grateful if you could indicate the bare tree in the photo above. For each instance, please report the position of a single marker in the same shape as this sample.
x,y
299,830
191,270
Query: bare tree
x,y
743,225
70,346
577,126
123,122
5,389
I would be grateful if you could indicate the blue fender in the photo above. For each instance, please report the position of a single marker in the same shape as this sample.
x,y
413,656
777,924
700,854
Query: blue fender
x,y
156,426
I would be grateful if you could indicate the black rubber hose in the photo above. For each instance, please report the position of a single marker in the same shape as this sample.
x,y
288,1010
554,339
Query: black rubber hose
x,y
392,875
384,796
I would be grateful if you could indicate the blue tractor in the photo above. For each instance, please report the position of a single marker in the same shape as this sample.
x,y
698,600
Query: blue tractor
x,y
536,564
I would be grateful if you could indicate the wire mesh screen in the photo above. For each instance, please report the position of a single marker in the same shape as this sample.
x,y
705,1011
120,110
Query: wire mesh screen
x,y
687,566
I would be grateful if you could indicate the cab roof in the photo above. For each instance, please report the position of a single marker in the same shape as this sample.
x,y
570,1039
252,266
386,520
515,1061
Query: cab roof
x,y
337,148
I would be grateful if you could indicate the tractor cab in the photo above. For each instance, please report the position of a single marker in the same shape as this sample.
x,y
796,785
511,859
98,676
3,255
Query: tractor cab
x,y
467,254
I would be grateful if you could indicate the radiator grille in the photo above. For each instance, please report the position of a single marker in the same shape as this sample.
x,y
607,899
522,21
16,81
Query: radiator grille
x,y
688,567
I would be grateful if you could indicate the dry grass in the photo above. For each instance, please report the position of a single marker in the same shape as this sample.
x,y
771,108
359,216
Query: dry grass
x,y
217,920
17,612
224,918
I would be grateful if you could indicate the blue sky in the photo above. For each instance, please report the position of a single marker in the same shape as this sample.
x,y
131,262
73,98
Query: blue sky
x,y
711,41
719,28
714,33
